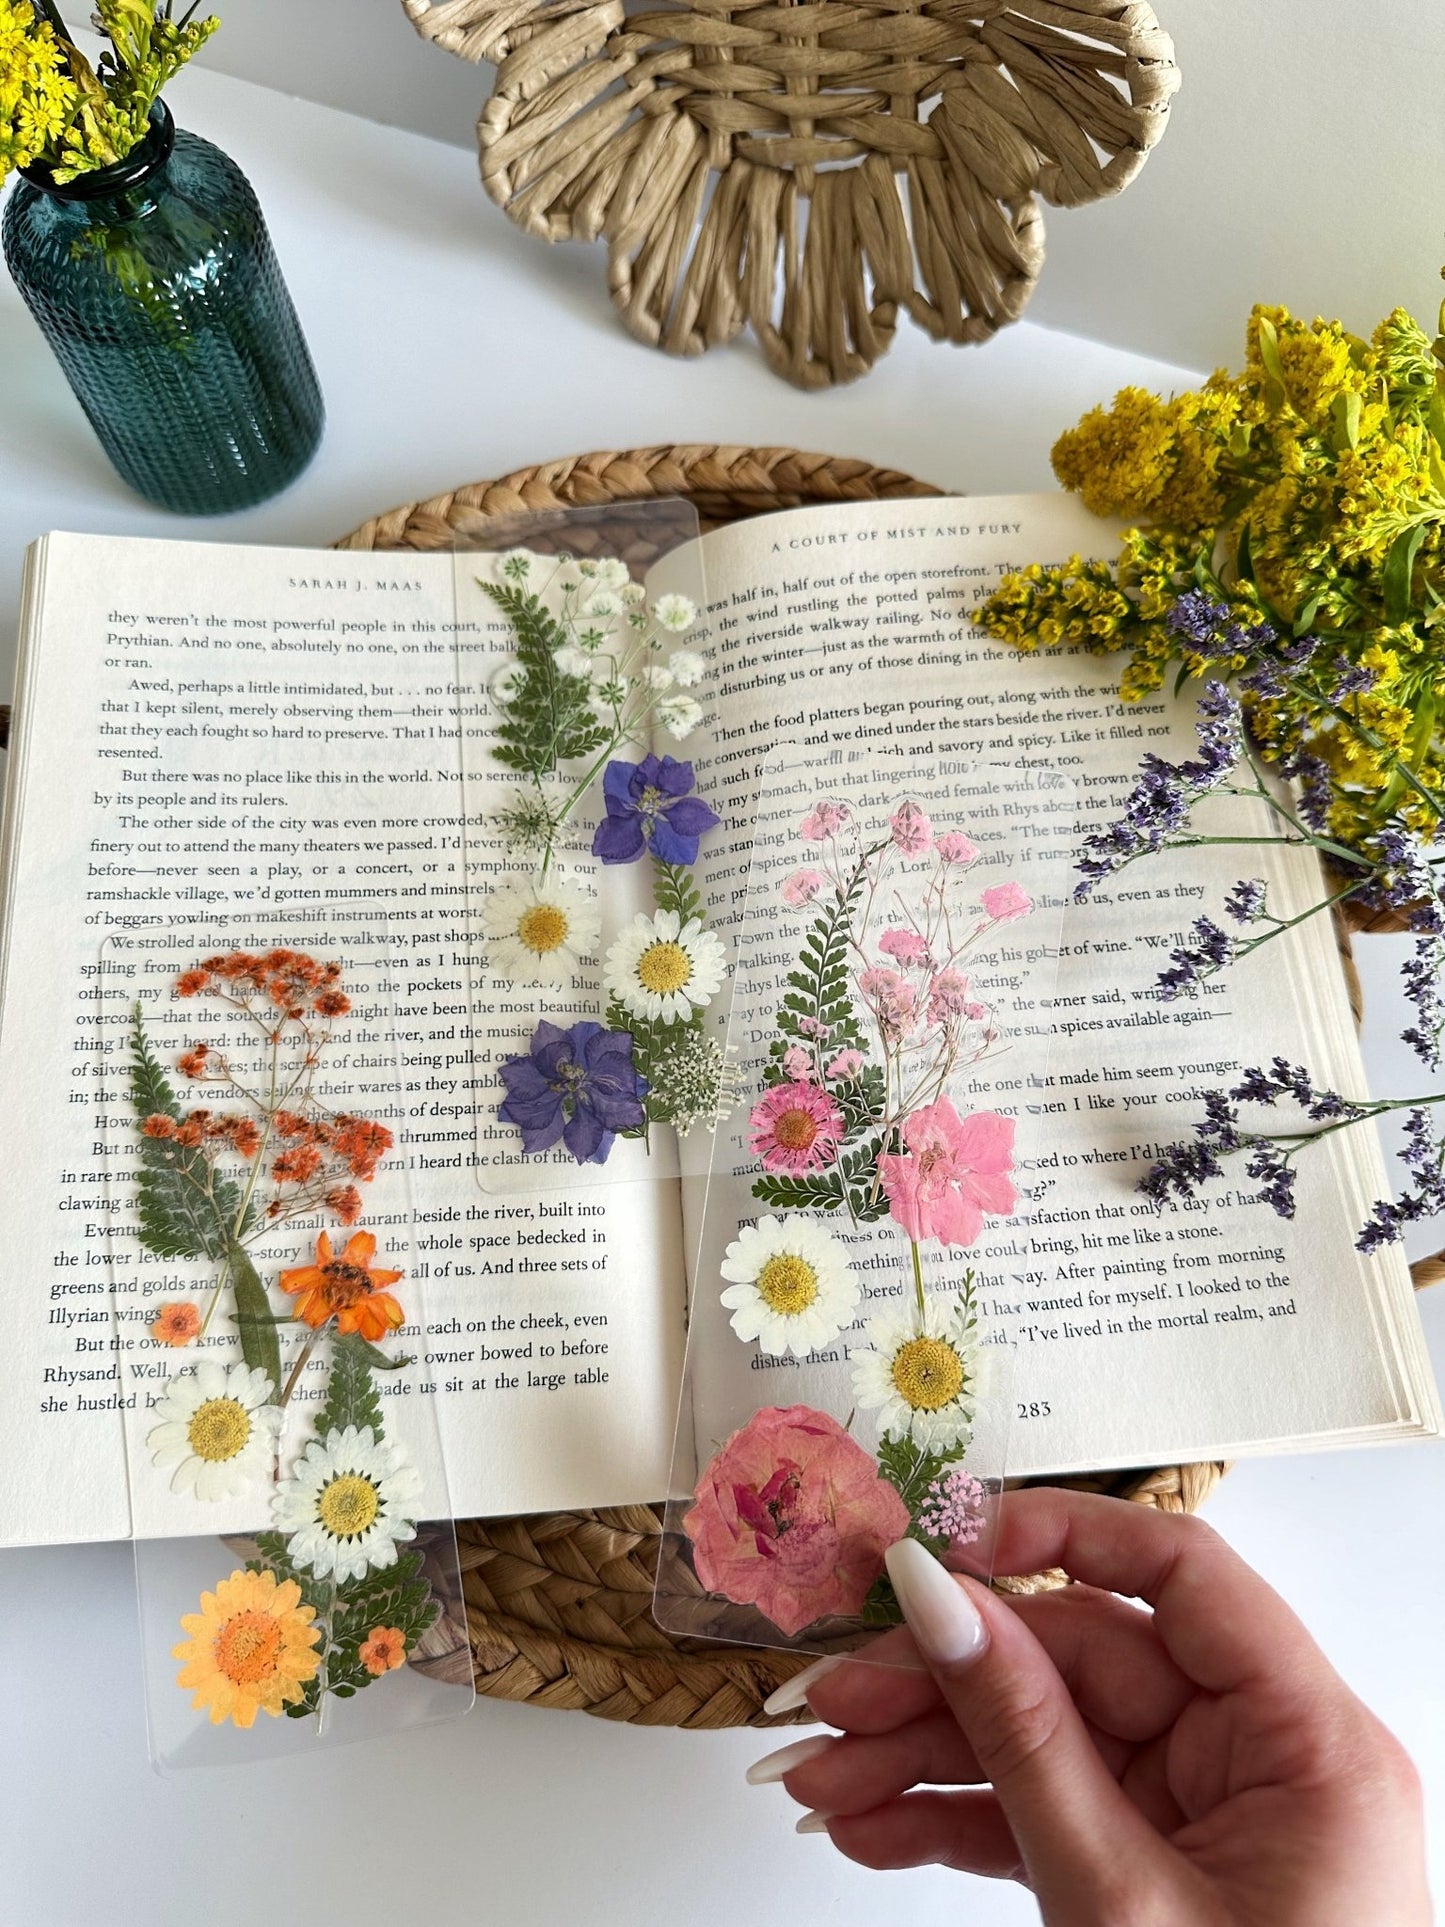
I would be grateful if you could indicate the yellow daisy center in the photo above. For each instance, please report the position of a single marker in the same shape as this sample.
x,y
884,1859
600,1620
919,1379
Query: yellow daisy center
x,y
219,1429
248,1647
543,928
348,1505
787,1284
664,968
927,1374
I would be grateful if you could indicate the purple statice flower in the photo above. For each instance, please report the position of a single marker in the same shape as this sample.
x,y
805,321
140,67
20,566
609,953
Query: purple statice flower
x,y
577,1085
1210,628
1211,949
650,806
1350,679
1267,678
1421,973
1166,792
1424,1158
953,1508
1283,1079
1311,774
1245,902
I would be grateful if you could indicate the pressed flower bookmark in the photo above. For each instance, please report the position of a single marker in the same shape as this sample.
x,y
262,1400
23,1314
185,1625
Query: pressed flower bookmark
x,y
867,1217
267,1336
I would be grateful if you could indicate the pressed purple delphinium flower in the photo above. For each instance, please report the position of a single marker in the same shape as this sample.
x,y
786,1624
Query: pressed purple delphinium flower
x,y
650,806
579,1086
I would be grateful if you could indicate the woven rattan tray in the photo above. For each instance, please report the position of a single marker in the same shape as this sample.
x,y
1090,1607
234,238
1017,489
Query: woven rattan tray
x,y
557,1607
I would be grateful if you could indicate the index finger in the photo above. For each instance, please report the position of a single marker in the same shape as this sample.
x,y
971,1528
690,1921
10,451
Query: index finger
x,y
1219,1621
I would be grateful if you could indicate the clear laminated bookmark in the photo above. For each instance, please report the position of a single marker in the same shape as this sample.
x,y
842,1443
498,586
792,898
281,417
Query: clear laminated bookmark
x,y
848,1382
296,1562
596,965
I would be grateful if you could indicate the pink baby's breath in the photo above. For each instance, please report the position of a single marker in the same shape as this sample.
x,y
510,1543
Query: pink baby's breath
x,y
954,847
801,887
911,830
797,1063
846,1064
904,944
824,821
947,996
1006,902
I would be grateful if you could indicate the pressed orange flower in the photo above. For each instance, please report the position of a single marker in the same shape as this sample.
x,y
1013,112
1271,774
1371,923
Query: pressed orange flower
x,y
383,1650
345,1289
192,1063
250,1649
345,1201
176,1323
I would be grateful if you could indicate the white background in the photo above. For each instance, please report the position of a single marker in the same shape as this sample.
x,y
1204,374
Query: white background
x,y
452,348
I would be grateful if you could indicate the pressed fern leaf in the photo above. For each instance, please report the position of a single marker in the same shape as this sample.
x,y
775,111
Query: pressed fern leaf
x,y
186,1209
549,720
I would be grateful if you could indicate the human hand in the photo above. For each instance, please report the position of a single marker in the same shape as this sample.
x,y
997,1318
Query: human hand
x,y
1202,1763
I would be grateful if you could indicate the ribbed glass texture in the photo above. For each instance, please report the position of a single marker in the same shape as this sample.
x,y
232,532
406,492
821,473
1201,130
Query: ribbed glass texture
x,y
156,285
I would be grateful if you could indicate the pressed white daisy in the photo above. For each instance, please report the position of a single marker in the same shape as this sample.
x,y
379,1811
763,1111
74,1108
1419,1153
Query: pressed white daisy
x,y
679,716
572,661
688,666
921,1382
218,1429
604,602
792,1287
664,970
674,612
350,1500
539,929
507,680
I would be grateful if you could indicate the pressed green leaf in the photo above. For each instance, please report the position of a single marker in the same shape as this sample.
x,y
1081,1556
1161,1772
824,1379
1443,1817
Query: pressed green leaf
x,y
351,1397
255,1322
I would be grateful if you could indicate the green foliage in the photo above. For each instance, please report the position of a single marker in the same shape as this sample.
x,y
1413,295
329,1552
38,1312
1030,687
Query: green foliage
x,y
351,1396
847,1186
881,1607
254,1319
397,1596
549,720
819,989
673,889
186,1209
911,1470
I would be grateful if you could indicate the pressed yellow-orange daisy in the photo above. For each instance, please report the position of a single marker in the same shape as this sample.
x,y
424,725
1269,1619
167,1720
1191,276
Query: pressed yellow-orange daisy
x,y
250,1648
383,1650
345,1288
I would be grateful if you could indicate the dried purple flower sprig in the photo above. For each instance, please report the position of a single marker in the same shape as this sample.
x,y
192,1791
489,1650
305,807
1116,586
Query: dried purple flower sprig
x,y
1180,1169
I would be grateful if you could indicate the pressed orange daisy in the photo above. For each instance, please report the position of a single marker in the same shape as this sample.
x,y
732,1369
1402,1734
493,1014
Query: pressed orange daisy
x,y
176,1323
345,1288
383,1650
250,1649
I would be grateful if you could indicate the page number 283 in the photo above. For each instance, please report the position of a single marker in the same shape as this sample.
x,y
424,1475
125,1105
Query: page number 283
x,y
1034,1408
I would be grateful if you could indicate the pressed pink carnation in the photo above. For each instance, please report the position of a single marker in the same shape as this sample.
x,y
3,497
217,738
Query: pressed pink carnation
x,y
904,944
801,887
1006,902
950,1173
792,1517
795,1127
911,830
797,1063
847,1063
823,821
954,847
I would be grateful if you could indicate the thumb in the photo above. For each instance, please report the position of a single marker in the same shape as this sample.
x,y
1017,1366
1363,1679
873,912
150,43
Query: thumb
x,y
1078,1834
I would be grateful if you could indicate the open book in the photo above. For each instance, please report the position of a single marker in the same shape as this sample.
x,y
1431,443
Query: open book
x,y
215,727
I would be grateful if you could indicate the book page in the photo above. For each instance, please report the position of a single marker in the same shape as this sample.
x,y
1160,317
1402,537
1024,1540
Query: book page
x,y
204,729
1141,1337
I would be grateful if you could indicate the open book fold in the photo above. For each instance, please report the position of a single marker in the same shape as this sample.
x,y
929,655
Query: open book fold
x,y
203,725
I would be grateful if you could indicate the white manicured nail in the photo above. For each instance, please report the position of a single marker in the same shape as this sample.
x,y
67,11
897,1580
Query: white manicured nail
x,y
793,1692
942,1617
773,1766
812,1823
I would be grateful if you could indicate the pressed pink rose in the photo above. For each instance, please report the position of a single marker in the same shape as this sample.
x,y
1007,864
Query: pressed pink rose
x,y
792,1517
823,821
847,1063
1006,902
947,996
904,944
802,886
911,830
950,1173
797,1063
954,847
795,1127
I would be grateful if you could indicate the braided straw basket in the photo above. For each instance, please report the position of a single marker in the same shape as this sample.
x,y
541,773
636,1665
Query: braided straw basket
x,y
810,169
556,1609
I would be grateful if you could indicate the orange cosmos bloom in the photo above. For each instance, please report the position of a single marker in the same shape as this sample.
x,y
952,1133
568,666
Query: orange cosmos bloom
x,y
345,1288
176,1323
383,1650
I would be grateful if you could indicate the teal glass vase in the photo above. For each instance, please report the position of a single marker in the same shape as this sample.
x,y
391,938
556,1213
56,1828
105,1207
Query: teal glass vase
x,y
157,287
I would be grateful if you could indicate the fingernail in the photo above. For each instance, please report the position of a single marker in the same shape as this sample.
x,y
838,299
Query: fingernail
x,y
773,1766
943,1618
812,1823
793,1692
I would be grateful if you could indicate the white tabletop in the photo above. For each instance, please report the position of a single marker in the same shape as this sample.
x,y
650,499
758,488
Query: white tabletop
x,y
450,348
